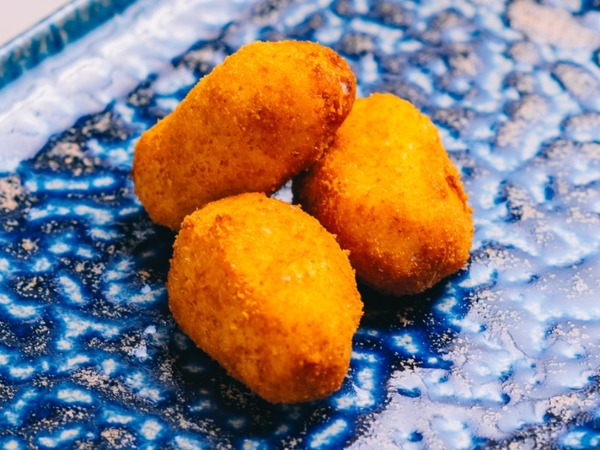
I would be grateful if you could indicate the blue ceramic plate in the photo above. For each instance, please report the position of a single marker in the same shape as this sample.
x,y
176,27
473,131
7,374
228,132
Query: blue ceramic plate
x,y
505,353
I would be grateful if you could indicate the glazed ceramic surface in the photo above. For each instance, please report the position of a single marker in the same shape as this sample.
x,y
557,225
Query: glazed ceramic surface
x,y
504,353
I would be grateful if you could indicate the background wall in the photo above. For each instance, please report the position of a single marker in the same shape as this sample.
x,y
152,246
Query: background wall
x,y
17,16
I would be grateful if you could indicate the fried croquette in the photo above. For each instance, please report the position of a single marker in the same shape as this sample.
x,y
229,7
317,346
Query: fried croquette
x,y
266,291
389,192
263,115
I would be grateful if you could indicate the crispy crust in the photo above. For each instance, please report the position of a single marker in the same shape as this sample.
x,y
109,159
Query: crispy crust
x,y
259,118
265,290
388,190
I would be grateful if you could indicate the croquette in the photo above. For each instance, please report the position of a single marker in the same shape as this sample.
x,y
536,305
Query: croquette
x,y
265,290
389,192
263,115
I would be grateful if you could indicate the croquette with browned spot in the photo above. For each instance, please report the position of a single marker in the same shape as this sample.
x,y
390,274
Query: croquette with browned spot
x,y
263,115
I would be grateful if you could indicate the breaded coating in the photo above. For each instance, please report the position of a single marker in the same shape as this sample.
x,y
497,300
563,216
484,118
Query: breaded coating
x,y
265,290
387,189
263,115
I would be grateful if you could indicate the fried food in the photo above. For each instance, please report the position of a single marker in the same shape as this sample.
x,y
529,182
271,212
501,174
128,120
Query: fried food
x,y
387,189
263,115
265,290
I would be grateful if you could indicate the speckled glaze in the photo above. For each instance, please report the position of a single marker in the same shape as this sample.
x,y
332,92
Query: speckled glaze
x,y
504,354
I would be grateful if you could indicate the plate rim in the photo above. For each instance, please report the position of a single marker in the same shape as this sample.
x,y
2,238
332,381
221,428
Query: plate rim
x,y
52,34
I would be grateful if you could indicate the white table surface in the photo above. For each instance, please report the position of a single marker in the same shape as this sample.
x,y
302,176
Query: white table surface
x,y
17,16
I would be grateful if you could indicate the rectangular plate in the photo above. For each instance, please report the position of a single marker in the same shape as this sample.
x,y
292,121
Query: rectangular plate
x,y
503,352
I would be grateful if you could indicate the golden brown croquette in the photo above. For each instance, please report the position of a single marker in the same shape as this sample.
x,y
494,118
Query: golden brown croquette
x,y
264,114
265,290
387,189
